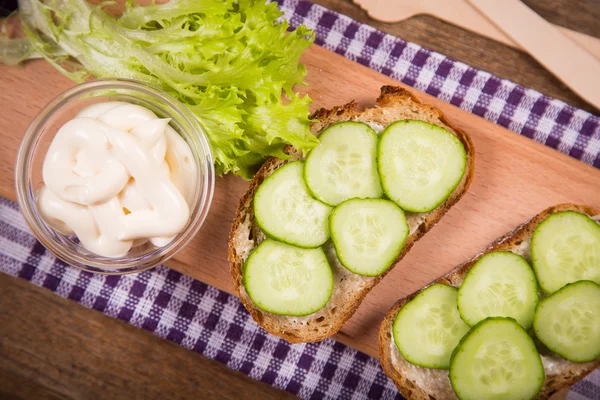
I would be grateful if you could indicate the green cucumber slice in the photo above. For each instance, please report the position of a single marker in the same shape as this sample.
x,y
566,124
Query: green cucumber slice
x,y
496,360
368,234
568,321
419,164
500,284
285,211
428,328
565,248
287,280
343,166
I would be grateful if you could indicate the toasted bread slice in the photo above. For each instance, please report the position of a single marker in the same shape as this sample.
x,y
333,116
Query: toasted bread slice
x,y
393,104
428,384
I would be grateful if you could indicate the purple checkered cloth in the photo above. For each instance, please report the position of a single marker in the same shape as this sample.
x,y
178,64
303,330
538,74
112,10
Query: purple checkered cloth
x,y
215,324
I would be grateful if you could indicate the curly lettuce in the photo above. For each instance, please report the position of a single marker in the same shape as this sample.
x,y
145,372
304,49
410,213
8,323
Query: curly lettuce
x,y
233,63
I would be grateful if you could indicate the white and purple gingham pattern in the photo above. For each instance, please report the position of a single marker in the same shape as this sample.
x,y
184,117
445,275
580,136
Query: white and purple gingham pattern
x,y
215,324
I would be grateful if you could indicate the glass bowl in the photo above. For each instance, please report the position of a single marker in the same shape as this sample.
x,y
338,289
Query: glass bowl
x,y
41,131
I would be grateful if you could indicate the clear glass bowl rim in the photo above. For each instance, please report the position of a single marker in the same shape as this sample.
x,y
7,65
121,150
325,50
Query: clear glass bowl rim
x,y
102,265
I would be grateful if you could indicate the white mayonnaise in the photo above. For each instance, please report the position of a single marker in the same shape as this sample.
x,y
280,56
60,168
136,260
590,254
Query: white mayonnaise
x,y
117,176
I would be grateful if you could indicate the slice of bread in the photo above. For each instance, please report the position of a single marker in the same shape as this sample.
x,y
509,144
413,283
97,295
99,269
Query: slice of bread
x,y
393,104
433,384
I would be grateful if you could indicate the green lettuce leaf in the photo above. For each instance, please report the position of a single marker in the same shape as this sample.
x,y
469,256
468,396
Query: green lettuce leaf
x,y
233,63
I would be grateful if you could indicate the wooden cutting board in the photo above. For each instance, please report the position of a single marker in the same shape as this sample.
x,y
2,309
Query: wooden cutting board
x,y
515,178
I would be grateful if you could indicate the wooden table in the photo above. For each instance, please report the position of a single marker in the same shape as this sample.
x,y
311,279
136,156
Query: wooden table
x,y
54,348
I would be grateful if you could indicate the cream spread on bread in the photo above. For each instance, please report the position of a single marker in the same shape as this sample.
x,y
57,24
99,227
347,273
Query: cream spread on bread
x,y
524,250
377,127
435,379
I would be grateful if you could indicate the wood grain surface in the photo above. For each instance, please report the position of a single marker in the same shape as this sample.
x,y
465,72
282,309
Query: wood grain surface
x,y
53,348
515,179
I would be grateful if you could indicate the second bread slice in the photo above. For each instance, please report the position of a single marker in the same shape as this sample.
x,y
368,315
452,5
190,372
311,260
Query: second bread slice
x,y
419,383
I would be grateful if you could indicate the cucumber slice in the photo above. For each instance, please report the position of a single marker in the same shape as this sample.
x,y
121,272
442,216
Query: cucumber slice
x,y
285,211
343,166
565,248
428,328
368,234
568,322
496,360
500,284
419,164
287,280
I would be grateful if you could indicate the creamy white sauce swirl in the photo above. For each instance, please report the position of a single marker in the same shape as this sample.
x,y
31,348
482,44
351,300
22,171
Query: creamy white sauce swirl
x,y
117,176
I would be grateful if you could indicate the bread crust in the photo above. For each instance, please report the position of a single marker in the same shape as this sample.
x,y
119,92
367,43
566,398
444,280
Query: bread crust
x,y
569,372
394,103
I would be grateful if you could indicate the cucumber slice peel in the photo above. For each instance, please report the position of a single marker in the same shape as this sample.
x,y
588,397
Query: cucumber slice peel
x,y
568,321
419,164
285,211
343,165
428,328
287,280
496,360
500,284
368,234
565,248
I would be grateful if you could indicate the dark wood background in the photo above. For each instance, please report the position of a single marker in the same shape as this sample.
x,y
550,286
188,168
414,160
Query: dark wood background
x,y
52,348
